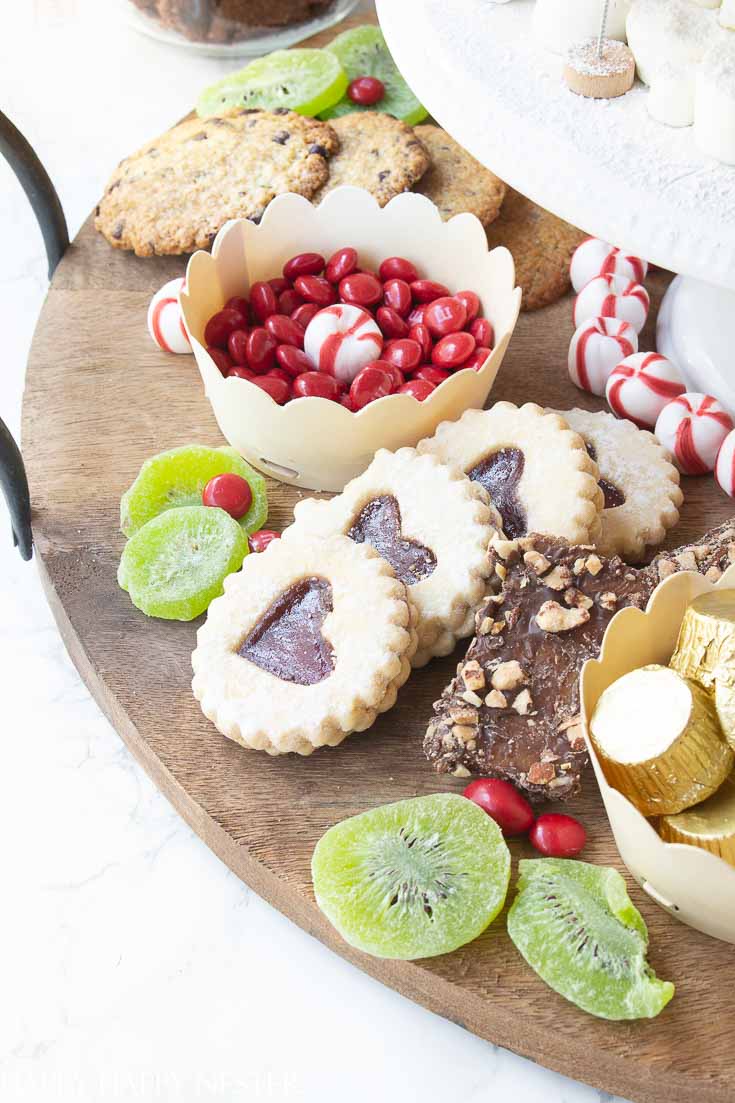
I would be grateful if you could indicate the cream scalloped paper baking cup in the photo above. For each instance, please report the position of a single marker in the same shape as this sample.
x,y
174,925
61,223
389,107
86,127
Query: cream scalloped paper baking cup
x,y
692,884
312,442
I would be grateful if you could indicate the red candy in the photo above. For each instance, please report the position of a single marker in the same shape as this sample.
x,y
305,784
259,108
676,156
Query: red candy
x,y
397,294
303,264
240,372
280,284
262,300
221,359
315,384
229,492
391,323
471,303
238,303
347,402
366,91
416,317
395,373
340,264
259,541
315,289
431,374
405,354
426,291
445,315
558,836
419,388
288,301
420,334
219,327
397,268
453,350
369,384
361,289
280,373
285,330
293,360
276,388
302,315
261,350
237,345
503,803
483,332
478,358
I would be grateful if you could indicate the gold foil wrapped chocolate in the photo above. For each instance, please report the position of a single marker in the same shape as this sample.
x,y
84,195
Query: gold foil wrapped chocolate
x,y
659,740
710,825
705,652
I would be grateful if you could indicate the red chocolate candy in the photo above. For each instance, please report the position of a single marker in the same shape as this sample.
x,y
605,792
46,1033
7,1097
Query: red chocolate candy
x,y
453,350
220,358
483,332
261,350
315,384
240,372
315,289
276,388
221,325
361,289
445,315
280,373
229,492
420,334
293,360
279,285
369,384
303,264
341,264
478,358
285,330
397,295
405,354
263,301
391,323
302,315
259,541
419,388
397,268
429,373
426,291
288,301
237,302
471,303
416,317
237,345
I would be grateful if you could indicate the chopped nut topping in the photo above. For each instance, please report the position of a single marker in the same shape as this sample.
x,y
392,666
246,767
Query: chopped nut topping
x,y
523,702
608,600
578,566
575,735
463,716
500,571
496,700
713,574
537,562
485,626
559,578
569,722
575,597
665,569
687,561
526,542
461,771
558,782
553,617
462,733
506,549
508,676
471,745
593,564
472,675
701,552
497,627
471,698
541,773
731,553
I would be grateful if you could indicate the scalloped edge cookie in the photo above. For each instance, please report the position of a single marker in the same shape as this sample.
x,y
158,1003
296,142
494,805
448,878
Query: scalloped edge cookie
x,y
440,508
558,487
632,460
372,630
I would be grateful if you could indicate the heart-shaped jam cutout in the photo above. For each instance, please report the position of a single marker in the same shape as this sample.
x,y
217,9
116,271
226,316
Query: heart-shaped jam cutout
x,y
287,640
379,524
613,496
500,475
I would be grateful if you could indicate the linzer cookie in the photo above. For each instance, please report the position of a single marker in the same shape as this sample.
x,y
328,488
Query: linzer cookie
x,y
513,709
534,467
431,524
640,485
310,641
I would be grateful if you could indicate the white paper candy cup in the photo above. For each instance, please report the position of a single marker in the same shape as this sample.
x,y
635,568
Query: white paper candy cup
x,y
692,884
312,442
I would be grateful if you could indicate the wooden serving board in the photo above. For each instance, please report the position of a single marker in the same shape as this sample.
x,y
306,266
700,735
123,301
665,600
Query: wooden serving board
x,y
100,398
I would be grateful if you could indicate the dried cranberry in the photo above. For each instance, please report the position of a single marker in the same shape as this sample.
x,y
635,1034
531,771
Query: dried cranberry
x,y
503,803
558,836
366,91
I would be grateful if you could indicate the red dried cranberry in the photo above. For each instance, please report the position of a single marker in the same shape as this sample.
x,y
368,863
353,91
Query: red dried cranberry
x,y
503,803
471,303
397,268
366,91
221,325
370,383
420,334
431,374
315,289
483,332
315,384
405,354
361,289
221,359
279,391
293,360
288,301
558,836
285,330
477,361
340,264
302,315
262,300
445,315
259,541
425,291
397,295
453,350
236,346
303,264
229,492
261,350
391,323
419,388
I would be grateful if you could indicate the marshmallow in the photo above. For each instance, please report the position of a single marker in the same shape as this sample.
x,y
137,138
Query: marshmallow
x,y
727,14
725,465
612,297
671,99
596,348
596,258
693,428
340,340
165,324
675,32
560,24
641,385
714,102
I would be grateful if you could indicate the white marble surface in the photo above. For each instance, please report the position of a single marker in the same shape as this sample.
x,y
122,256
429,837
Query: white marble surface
x,y
133,964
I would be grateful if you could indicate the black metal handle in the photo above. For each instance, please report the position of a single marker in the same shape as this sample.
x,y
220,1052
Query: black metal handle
x,y
36,183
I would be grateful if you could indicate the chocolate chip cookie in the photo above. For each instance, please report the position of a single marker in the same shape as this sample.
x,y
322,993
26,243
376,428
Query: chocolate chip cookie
x,y
455,181
175,193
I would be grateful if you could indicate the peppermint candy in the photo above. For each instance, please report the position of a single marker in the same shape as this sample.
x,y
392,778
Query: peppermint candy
x,y
612,297
165,324
596,348
641,385
693,427
341,340
725,465
596,258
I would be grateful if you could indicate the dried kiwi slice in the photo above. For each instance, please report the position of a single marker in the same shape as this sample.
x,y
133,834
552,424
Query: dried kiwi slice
x,y
174,566
304,80
178,477
363,53
412,879
576,926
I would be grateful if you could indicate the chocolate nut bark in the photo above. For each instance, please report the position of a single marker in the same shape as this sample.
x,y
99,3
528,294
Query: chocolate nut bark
x,y
710,556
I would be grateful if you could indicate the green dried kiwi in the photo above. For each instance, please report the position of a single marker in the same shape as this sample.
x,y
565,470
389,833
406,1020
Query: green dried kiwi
x,y
362,52
576,926
412,879
175,565
177,478
304,80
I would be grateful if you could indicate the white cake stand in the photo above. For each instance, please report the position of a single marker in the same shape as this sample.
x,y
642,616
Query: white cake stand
x,y
603,165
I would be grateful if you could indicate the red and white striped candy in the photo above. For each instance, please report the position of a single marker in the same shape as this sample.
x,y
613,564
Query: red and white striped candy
x,y
612,297
596,347
725,465
596,258
693,428
165,324
641,385
340,340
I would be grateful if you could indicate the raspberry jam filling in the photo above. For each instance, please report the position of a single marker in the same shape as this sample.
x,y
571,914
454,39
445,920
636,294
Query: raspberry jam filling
x,y
500,475
612,494
287,640
379,524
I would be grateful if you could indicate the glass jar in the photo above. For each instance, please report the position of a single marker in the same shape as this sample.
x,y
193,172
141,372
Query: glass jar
x,y
235,28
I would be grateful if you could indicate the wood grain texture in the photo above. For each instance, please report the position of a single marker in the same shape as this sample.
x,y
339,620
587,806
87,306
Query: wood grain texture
x,y
99,400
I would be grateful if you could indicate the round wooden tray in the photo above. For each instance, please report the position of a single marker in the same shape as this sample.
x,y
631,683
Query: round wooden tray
x,y
99,399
